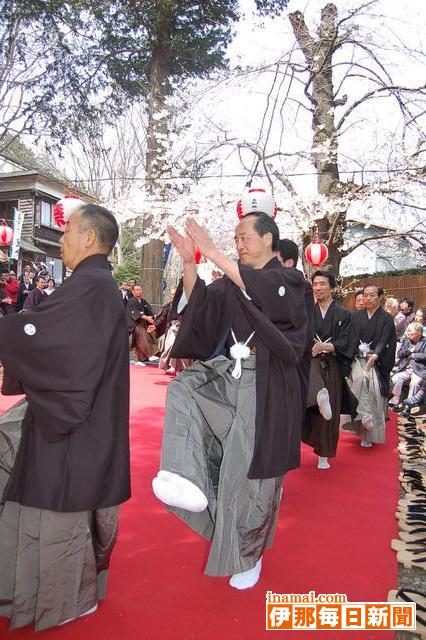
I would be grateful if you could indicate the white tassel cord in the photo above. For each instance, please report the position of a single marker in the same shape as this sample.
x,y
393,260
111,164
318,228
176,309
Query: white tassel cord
x,y
239,351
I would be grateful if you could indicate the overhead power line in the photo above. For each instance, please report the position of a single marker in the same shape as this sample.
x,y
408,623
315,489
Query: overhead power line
x,y
242,175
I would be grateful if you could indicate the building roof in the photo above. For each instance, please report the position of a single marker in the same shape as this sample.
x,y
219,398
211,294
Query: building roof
x,y
28,164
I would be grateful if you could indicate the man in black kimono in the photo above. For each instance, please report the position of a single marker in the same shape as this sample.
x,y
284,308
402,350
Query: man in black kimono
x,y
69,355
36,295
288,254
233,419
374,344
330,363
140,317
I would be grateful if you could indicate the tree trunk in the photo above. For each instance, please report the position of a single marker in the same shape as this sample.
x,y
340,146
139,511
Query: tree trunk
x,y
318,53
156,163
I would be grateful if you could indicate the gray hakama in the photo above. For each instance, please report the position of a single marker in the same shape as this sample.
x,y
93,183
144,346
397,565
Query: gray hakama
x,y
54,565
208,438
366,388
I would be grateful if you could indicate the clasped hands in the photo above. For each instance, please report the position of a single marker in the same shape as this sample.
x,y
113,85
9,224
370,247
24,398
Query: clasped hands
x,y
321,347
195,236
371,359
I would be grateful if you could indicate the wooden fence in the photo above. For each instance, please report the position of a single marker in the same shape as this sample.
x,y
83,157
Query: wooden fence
x,y
407,286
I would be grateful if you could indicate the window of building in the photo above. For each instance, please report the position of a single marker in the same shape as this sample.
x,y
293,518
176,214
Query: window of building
x,y
55,268
46,213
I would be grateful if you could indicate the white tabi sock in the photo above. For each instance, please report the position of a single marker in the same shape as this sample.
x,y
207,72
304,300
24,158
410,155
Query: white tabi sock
x,y
323,463
366,444
323,401
179,492
247,579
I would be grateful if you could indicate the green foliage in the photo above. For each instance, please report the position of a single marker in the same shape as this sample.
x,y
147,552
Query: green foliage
x,y
271,7
126,270
92,57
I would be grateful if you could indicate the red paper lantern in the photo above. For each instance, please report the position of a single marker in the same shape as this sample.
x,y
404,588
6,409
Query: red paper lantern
x,y
197,255
316,253
6,234
64,208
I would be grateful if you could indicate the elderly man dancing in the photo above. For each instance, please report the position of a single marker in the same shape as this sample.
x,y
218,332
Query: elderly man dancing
x,y
233,419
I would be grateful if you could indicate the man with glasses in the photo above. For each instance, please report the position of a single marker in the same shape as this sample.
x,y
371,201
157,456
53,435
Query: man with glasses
x,y
233,419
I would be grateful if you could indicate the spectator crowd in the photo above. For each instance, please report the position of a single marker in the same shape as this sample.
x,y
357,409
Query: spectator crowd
x,y
151,338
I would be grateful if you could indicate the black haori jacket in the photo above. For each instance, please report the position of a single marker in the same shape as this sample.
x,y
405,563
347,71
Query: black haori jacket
x,y
379,332
276,311
70,356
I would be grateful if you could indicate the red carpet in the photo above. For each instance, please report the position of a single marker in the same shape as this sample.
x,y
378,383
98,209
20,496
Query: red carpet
x,y
333,537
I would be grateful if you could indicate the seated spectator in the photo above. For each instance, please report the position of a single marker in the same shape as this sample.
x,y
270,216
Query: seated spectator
x,y
51,286
412,363
141,316
37,294
407,308
392,306
420,317
24,289
416,399
359,300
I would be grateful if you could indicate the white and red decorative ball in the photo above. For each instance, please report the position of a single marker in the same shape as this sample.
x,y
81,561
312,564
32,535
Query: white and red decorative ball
x,y
64,208
256,201
316,253
6,234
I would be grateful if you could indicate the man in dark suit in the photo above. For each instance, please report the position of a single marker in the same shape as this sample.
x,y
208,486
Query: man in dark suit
x,y
24,289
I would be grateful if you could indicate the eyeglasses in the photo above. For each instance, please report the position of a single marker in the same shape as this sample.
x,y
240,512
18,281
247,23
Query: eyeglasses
x,y
244,237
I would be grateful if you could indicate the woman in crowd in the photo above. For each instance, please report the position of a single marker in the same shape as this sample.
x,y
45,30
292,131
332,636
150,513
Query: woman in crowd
x,y
51,284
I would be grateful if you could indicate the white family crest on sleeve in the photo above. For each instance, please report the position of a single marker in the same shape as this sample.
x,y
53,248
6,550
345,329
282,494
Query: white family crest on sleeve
x,y
30,329
281,291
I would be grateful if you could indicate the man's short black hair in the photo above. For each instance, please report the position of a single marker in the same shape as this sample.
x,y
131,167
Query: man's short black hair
x,y
103,222
37,279
288,250
265,224
325,274
380,291
410,302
